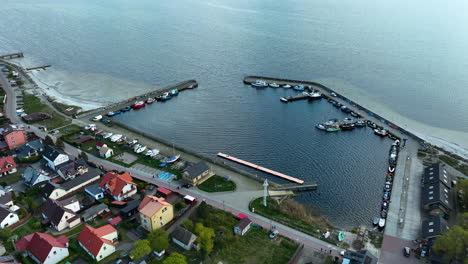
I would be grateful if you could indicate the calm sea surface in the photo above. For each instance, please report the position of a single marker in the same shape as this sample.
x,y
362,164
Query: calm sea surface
x,y
410,56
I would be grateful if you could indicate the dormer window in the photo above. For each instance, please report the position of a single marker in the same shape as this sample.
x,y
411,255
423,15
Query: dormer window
x,y
431,223
431,230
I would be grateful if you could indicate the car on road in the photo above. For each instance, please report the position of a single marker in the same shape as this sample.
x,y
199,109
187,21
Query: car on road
x,y
186,186
406,252
273,234
54,132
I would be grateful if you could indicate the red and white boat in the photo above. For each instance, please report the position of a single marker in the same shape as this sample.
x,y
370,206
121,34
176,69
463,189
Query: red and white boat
x,y
380,132
138,104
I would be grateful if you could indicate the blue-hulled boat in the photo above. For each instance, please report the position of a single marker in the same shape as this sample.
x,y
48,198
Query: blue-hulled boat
x,y
113,113
126,109
163,164
165,97
173,159
174,92
299,88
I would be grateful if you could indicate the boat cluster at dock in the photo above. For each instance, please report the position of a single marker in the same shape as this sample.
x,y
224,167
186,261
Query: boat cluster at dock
x,y
313,94
141,103
133,144
387,189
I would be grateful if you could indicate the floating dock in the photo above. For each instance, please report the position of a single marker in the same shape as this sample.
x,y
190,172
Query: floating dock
x,y
260,168
12,55
307,186
39,68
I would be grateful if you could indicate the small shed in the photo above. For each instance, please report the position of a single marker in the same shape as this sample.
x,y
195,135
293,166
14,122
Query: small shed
x,y
95,191
183,238
93,212
163,192
189,199
115,221
106,152
130,209
100,144
242,226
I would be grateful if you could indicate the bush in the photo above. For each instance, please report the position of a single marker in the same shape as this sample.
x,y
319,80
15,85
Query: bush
x,y
23,213
178,206
104,201
32,159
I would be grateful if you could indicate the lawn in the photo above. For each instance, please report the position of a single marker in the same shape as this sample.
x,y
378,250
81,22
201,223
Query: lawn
x,y
253,247
217,184
272,212
12,178
33,104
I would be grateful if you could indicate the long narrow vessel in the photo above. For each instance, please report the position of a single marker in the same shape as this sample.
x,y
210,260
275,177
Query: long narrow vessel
x,y
283,99
173,159
125,109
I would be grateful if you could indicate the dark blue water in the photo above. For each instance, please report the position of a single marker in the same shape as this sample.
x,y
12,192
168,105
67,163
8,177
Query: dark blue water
x,y
410,57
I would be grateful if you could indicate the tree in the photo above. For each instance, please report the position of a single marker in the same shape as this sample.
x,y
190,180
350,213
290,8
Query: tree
x,y
142,248
159,240
188,224
5,233
175,258
49,141
83,155
205,238
462,188
452,244
203,210
59,144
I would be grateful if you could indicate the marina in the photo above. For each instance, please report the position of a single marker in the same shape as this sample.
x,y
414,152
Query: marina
x,y
260,168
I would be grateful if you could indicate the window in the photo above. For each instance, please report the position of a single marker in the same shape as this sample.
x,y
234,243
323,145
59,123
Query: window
x,y
431,197
431,223
100,256
431,230
55,252
104,247
431,192
160,218
431,187
164,209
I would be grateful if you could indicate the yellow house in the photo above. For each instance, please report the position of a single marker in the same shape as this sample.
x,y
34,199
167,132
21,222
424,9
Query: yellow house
x,y
197,174
155,212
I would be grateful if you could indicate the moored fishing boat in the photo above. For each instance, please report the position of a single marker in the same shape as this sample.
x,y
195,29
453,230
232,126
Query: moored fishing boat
x,y
347,126
382,222
320,126
299,87
173,159
283,99
150,100
107,135
110,114
126,109
354,114
286,86
174,92
138,104
140,149
315,95
115,137
332,128
360,123
380,132
274,85
259,83
375,221
165,97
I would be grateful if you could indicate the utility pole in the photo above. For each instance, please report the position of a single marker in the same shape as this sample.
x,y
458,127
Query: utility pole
x,y
265,192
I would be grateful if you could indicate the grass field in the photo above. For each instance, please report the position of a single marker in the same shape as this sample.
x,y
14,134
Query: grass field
x,y
33,104
217,184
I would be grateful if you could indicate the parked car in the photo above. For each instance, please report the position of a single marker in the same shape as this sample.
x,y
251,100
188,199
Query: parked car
x,y
407,252
273,234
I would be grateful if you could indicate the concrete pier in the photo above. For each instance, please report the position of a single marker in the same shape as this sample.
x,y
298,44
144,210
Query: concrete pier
x,y
39,68
12,55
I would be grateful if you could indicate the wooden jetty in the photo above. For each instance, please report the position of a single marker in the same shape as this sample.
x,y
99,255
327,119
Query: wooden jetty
x,y
260,168
39,68
12,55
306,186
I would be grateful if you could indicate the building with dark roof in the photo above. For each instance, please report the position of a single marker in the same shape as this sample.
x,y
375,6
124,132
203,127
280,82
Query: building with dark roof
x,y
359,257
197,173
94,211
61,214
437,173
184,238
130,209
58,190
36,117
7,216
72,168
31,149
242,226
436,199
54,157
44,248
31,177
434,227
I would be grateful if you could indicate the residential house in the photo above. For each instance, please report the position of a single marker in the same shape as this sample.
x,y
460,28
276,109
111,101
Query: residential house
x,y
94,211
58,190
242,226
44,248
72,169
130,209
434,227
100,144
31,177
7,166
83,139
98,242
437,173
106,152
197,173
7,216
31,149
61,214
436,199
14,136
95,191
36,117
359,257
6,199
119,186
54,157
184,238
155,212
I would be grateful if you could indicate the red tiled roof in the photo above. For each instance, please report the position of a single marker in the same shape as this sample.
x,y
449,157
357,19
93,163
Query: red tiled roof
x,y
40,244
100,144
164,191
116,182
91,238
4,162
118,203
151,205
115,220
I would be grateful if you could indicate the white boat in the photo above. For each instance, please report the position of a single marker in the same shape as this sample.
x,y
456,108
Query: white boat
x,y
140,149
97,118
173,159
259,83
152,152
115,137
283,99
315,95
150,100
137,146
107,135
381,222
391,169
274,85
287,86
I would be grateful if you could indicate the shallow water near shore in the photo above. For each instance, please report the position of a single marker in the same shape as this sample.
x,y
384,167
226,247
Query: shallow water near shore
x,y
406,66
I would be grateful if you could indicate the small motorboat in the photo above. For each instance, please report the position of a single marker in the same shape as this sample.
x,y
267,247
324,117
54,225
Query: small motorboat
x,y
345,109
163,164
341,236
391,169
384,213
174,92
299,87
375,221
107,135
173,159
387,187
115,137
165,97
158,97
349,126
150,100
382,222
133,142
386,196
384,205
333,94
138,104
283,99
259,83
315,95
126,109
140,149
321,127
113,113
332,128
287,86
326,235
380,132
354,114
360,123
136,146
348,119
274,85
152,152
